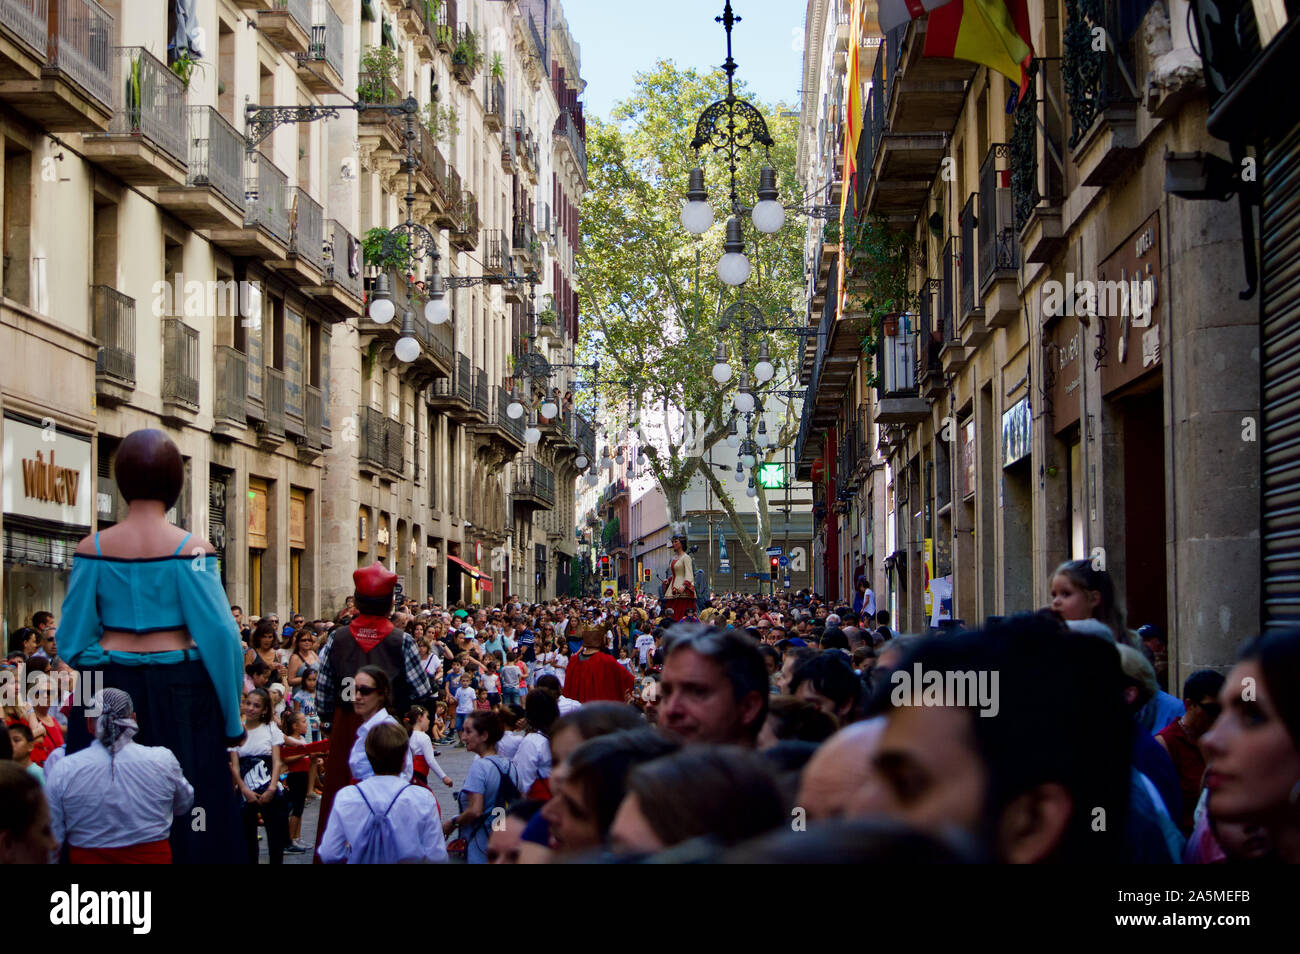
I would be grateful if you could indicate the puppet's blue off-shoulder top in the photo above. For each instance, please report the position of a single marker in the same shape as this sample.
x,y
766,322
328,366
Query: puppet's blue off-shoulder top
x,y
152,595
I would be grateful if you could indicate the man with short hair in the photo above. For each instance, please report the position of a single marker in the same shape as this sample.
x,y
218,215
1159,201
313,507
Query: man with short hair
x,y
714,686
827,681
1180,737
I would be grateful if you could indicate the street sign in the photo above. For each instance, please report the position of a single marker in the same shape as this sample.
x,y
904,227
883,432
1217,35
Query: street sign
x,y
771,476
787,582
756,576
724,566
774,551
397,591
784,561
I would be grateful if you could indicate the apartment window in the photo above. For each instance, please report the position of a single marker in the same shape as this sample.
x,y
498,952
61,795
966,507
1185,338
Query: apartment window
x,y
226,71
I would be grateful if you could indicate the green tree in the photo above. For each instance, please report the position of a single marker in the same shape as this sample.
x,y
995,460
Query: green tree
x,y
651,290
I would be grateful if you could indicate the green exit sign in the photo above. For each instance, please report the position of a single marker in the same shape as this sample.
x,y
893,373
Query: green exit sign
x,y
771,476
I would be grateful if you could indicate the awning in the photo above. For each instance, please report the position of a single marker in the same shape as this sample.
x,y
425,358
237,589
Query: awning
x,y
485,584
473,571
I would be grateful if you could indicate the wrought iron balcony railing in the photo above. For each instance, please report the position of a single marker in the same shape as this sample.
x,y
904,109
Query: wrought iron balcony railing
x,y
326,36
80,45
30,20
180,379
115,330
266,197
342,259
148,101
230,385
998,248
307,229
273,425
216,154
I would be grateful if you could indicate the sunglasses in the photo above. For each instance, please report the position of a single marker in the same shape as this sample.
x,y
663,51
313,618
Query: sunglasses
x,y
365,690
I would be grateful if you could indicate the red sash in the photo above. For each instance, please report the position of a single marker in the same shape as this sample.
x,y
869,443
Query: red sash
x,y
369,631
149,853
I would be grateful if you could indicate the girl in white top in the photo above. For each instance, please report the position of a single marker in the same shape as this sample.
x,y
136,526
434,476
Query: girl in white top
x,y
423,762
561,661
372,696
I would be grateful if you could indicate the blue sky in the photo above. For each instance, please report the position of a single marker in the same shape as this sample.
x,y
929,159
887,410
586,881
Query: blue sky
x,y
619,39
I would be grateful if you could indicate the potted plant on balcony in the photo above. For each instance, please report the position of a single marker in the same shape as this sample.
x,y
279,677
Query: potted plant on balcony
x,y
133,107
498,68
466,58
379,74
184,66
441,122
374,254
547,317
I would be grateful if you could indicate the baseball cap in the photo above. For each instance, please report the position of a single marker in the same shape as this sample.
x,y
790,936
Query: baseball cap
x,y
460,614
795,641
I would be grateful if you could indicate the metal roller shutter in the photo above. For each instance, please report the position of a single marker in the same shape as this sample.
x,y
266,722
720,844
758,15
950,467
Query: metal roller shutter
x,y
1280,373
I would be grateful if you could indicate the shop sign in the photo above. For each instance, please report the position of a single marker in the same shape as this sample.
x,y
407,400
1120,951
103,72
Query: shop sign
x,y
47,473
1132,341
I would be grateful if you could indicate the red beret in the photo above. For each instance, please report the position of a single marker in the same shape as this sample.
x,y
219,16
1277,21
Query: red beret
x,y
374,580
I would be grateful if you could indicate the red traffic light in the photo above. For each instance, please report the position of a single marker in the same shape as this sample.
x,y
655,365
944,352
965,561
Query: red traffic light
x,y
776,561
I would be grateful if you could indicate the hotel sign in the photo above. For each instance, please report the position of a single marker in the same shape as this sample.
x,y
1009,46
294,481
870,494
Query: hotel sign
x,y
47,473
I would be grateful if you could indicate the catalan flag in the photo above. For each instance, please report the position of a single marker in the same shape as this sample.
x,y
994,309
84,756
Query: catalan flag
x,y
993,33
853,116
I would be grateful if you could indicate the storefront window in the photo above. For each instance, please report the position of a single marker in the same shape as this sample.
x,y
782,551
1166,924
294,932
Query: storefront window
x,y
36,568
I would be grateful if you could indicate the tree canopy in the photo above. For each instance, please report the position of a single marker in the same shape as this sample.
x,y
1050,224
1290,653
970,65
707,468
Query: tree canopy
x,y
650,288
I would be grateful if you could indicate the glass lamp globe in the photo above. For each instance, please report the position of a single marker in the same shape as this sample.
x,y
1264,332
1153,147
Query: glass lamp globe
x,y
740,474
514,410
769,216
743,402
697,217
747,459
733,269
549,408
641,460
532,435
762,439
592,480
406,349
751,490
733,440
581,461
437,311
382,311
763,371
722,372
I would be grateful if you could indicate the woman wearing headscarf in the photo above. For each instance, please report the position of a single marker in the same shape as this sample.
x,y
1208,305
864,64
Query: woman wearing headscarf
x,y
113,802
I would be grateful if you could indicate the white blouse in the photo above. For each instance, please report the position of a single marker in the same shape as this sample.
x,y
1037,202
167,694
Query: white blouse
x,y
358,764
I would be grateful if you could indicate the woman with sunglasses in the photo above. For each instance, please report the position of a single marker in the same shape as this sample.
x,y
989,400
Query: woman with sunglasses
x,y
304,654
372,696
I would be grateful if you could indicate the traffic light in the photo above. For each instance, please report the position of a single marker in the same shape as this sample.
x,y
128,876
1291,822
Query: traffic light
x,y
646,574
773,563
604,567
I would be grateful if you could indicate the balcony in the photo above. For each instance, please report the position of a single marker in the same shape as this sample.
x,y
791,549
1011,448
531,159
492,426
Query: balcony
x,y
570,134
446,212
455,394
306,260
495,256
533,486
180,371
229,392
419,19
898,400
73,91
270,431
584,435
999,252
463,235
146,139
288,24
911,122
971,310
24,37
506,433
114,317
479,405
309,442
494,104
373,453
467,55
509,154
341,291
525,246
265,233
380,130
321,67
952,353
1100,89
929,343
839,348
1037,169
213,194
444,29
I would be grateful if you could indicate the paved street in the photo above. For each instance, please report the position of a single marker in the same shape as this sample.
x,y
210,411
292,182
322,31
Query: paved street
x,y
455,762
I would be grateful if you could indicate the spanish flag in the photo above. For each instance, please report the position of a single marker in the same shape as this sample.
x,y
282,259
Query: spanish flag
x,y
993,33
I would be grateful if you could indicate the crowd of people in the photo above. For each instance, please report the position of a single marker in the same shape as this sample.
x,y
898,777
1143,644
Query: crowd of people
x,y
755,728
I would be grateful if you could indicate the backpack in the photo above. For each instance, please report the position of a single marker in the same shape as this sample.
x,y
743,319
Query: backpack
x,y
507,794
378,842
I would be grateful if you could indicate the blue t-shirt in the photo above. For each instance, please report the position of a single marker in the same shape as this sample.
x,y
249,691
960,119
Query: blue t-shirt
x,y
527,639
484,777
